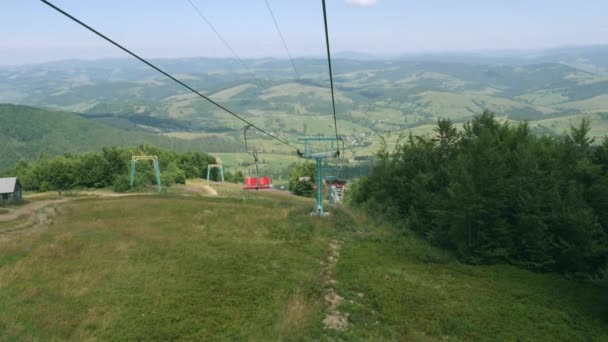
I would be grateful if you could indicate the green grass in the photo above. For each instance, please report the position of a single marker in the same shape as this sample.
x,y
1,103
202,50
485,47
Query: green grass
x,y
457,106
594,104
547,98
117,269
561,125
9,226
246,266
403,289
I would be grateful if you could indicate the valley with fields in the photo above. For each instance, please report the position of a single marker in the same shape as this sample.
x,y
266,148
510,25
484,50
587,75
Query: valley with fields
x,y
375,99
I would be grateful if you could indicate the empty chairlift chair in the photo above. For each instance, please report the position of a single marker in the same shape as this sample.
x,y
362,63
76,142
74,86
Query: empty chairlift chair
x,y
257,183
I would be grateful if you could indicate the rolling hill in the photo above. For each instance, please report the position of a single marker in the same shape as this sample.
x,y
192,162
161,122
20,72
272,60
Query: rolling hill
x,y
28,132
418,89
375,96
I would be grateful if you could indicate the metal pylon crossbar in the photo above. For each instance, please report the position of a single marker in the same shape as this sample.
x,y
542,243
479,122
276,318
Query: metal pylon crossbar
x,y
154,159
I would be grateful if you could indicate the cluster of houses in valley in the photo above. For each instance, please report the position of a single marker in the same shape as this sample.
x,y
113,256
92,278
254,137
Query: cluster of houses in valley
x,y
10,189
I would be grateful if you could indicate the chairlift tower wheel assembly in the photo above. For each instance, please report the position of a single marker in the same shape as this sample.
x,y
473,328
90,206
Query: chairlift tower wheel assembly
x,y
154,159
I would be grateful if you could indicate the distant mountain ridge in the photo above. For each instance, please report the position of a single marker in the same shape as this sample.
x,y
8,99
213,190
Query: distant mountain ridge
x,y
375,94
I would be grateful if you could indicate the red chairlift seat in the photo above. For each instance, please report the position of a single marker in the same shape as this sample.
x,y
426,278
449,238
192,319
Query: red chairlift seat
x,y
257,183
338,183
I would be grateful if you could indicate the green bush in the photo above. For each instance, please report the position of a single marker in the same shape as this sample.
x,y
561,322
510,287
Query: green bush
x,y
236,177
110,167
302,188
122,184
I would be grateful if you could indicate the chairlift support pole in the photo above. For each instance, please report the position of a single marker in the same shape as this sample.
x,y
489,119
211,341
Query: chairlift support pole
x,y
154,159
254,153
318,157
157,172
319,185
215,166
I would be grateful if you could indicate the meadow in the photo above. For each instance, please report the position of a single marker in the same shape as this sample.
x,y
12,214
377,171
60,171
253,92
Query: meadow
x,y
252,266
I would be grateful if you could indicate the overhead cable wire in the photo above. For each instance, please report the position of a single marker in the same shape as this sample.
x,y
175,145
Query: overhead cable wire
x,y
225,42
276,25
331,77
164,72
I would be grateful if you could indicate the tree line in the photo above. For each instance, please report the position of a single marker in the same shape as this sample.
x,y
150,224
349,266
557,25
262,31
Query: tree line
x,y
498,193
110,168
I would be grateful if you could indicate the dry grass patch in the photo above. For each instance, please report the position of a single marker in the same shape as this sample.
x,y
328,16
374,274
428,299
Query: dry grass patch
x,y
299,311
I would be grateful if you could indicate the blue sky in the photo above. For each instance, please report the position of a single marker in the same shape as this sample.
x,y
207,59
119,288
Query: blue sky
x,y
32,32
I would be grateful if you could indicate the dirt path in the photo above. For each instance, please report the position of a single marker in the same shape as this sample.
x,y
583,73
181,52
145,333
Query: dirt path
x,y
334,319
210,191
110,194
199,186
29,208
32,207
40,214
39,220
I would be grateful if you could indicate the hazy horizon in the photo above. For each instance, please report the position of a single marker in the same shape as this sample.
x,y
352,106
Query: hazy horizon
x,y
379,27
522,53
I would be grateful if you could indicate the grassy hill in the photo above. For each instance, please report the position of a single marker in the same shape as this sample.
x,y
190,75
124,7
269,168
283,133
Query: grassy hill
x,y
257,266
27,132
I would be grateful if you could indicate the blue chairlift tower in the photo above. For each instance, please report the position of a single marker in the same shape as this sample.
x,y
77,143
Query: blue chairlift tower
x,y
331,150
154,159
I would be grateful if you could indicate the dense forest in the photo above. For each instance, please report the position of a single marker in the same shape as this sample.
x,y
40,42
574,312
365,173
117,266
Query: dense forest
x,y
498,193
110,168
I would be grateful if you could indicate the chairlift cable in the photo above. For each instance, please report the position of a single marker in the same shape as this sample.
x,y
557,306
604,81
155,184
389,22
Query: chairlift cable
x,y
226,44
331,77
276,25
141,59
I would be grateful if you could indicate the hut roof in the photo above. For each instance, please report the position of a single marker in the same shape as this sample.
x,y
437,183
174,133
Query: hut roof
x,y
8,185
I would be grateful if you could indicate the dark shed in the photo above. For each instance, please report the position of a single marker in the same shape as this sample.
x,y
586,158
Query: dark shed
x,y
10,189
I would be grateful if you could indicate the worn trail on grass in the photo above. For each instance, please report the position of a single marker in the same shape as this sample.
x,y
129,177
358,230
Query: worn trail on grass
x,y
199,186
29,208
38,221
334,318
40,214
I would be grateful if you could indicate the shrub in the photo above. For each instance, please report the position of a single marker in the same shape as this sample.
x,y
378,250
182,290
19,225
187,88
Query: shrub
x,y
497,193
110,167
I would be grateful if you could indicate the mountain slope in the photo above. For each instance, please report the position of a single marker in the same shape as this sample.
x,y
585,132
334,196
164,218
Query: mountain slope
x,y
27,132
413,91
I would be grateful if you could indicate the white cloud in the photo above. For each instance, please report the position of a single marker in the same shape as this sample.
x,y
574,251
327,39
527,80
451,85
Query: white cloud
x,y
362,3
